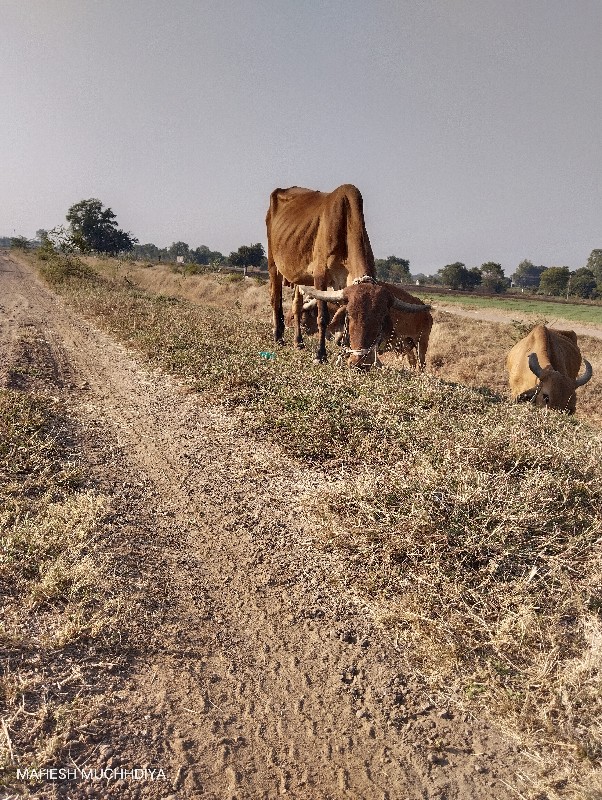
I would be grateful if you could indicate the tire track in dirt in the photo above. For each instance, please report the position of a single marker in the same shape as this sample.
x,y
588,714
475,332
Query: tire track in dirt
x,y
261,675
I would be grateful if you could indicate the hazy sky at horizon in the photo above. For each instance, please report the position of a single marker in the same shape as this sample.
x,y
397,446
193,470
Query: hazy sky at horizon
x,y
471,127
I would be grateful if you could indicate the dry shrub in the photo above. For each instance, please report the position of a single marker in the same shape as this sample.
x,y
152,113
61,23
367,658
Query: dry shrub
x,y
58,269
222,290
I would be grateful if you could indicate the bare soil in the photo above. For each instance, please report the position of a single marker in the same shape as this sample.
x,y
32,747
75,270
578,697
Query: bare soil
x,y
499,315
246,670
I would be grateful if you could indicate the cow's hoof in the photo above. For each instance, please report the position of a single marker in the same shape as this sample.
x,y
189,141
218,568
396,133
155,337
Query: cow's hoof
x,y
320,359
300,345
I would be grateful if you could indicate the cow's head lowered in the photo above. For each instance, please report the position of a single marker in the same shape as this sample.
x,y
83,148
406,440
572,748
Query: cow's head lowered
x,y
367,305
554,389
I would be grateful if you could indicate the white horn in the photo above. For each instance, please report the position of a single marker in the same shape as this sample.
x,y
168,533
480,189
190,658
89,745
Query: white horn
x,y
329,296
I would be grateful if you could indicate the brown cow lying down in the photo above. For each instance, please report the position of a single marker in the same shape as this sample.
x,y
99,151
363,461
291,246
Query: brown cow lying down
x,y
407,334
543,369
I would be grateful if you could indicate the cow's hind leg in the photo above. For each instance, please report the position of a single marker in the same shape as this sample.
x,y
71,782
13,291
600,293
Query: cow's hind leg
x,y
297,313
423,343
276,298
323,318
409,350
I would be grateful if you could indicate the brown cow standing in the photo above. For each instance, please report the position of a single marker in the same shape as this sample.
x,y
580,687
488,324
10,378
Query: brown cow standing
x,y
409,333
543,368
318,240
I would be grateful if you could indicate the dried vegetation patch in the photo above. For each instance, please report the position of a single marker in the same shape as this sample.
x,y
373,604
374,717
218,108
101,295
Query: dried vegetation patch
x,y
470,528
54,614
474,353
480,552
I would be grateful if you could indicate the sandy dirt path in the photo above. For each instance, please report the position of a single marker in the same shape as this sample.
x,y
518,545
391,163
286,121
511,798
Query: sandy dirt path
x,y
249,670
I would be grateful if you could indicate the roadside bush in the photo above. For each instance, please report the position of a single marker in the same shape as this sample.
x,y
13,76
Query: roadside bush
x,y
57,268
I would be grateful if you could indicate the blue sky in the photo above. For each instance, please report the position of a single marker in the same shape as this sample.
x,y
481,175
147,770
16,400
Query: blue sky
x,y
471,127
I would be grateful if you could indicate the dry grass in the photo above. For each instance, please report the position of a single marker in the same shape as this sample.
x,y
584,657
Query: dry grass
x,y
222,290
45,513
480,552
469,527
474,353
52,606
466,351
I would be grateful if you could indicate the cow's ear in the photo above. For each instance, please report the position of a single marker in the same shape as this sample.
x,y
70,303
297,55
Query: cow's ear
x,y
526,397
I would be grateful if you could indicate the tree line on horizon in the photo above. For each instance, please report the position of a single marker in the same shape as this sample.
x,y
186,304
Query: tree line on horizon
x,y
92,229
585,282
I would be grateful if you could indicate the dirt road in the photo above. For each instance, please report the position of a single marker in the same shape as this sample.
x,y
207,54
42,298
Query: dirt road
x,y
247,670
505,317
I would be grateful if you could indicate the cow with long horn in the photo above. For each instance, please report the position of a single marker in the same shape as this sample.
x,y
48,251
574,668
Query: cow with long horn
x,y
369,308
544,369
407,334
318,241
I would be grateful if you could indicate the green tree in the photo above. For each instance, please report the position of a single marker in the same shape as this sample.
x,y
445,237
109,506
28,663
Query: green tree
x,y
247,256
148,252
554,281
472,279
582,283
453,275
179,250
382,269
59,238
19,242
594,263
94,229
527,275
203,255
456,276
394,269
46,246
492,277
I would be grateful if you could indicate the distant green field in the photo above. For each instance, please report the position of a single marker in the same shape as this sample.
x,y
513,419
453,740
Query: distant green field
x,y
573,312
